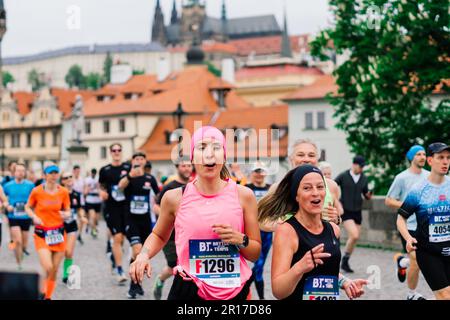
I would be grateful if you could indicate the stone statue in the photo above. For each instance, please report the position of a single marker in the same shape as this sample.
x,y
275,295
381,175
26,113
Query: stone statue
x,y
77,120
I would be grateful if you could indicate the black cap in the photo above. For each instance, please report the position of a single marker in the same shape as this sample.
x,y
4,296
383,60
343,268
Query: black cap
x,y
76,167
148,165
437,147
359,160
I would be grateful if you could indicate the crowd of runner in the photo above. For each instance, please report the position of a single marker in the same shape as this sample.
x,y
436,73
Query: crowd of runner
x,y
211,221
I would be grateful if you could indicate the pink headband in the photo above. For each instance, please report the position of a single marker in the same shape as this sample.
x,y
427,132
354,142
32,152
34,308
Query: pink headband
x,y
207,132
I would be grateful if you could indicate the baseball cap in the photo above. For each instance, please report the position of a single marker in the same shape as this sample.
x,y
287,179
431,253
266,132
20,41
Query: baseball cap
x,y
359,160
51,169
437,147
258,166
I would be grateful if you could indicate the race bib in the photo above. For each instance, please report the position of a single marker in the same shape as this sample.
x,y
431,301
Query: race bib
x,y
54,237
439,227
19,210
139,205
321,288
117,194
214,262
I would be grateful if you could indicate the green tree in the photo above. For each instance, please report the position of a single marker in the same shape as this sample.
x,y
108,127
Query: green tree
x,y
107,65
93,81
397,55
75,77
7,78
35,79
137,72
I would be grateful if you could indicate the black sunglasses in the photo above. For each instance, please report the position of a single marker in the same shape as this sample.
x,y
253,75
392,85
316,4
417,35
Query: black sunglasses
x,y
116,150
65,178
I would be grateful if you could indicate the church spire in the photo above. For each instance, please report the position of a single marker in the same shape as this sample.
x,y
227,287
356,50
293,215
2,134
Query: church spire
x,y
174,17
224,21
286,51
158,28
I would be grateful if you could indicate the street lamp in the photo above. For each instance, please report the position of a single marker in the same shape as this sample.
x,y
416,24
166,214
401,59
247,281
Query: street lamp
x,y
178,116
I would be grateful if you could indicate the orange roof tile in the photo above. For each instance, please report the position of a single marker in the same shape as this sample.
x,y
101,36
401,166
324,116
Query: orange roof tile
x,y
275,70
318,90
257,118
192,87
66,99
268,45
24,101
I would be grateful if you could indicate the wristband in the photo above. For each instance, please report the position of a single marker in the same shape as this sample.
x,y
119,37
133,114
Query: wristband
x,y
341,281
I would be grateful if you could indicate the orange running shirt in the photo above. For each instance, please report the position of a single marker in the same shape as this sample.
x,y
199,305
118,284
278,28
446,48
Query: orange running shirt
x,y
48,206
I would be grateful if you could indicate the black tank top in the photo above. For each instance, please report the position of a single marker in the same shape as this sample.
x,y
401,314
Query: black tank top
x,y
307,241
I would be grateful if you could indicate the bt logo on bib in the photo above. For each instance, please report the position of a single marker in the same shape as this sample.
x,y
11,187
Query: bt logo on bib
x,y
323,283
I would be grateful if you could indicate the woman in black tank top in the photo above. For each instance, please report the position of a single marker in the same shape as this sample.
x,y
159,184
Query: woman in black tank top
x,y
306,253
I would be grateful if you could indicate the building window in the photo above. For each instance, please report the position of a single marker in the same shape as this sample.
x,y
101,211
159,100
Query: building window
x,y
122,125
106,126
87,127
309,120
323,155
103,152
42,138
55,138
44,114
321,120
29,136
128,96
15,140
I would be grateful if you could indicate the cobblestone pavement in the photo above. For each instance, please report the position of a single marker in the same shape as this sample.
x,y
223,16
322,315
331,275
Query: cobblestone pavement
x,y
98,284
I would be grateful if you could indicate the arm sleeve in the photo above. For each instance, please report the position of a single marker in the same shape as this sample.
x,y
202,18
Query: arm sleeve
x,y
154,184
32,199
410,205
395,189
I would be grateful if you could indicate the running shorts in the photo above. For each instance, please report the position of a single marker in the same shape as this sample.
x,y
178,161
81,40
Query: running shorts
x,y
71,227
435,269
115,219
188,290
24,224
97,207
352,215
138,229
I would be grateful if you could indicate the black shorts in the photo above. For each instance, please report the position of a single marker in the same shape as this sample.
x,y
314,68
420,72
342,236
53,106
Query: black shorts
x,y
71,227
115,219
188,290
97,207
352,215
170,252
24,224
412,233
435,269
138,228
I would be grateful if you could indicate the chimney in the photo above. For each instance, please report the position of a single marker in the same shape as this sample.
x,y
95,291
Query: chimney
x,y
163,69
121,73
228,70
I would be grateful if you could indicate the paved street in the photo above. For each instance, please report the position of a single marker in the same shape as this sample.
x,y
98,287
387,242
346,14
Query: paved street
x,y
97,283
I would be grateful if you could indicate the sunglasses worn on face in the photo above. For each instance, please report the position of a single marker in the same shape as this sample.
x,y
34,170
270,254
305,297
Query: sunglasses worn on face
x,y
65,178
116,150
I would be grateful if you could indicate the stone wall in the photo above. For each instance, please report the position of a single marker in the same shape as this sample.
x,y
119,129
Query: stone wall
x,y
379,228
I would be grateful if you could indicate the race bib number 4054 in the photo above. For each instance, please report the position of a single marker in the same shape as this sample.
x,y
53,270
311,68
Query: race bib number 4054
x,y
439,229
215,262
321,288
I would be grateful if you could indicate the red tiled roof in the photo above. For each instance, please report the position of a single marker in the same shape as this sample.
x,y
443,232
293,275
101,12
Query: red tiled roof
x,y
24,101
269,45
276,70
318,90
66,99
258,118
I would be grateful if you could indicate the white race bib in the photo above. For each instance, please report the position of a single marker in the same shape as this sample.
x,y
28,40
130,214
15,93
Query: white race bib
x,y
439,227
117,194
54,237
215,262
140,205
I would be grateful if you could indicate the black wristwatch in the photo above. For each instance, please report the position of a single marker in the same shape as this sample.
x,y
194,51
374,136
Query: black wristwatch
x,y
244,243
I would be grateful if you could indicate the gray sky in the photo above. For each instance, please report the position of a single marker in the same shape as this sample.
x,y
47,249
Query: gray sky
x,y
40,25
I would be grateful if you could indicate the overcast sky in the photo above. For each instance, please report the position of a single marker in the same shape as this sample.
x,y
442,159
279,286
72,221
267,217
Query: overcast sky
x,y
40,25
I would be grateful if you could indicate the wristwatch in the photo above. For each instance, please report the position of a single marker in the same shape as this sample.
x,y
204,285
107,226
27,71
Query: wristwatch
x,y
244,243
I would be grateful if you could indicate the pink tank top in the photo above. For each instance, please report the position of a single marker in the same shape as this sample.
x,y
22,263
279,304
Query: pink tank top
x,y
218,270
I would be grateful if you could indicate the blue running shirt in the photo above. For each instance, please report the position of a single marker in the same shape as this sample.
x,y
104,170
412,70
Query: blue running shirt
x,y
18,194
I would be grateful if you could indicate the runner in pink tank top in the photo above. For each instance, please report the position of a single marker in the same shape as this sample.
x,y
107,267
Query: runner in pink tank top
x,y
216,229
